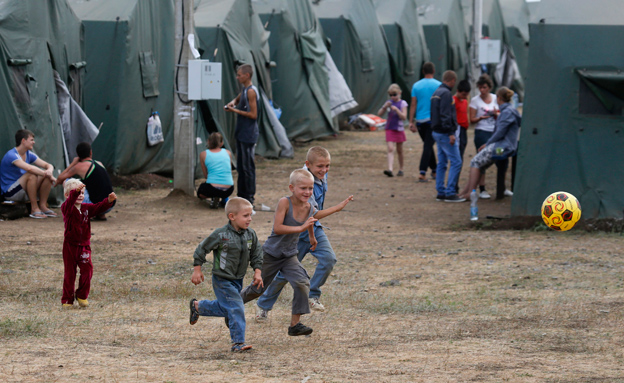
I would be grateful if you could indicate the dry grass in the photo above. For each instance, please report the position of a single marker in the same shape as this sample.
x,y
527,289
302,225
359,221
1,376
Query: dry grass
x,y
416,296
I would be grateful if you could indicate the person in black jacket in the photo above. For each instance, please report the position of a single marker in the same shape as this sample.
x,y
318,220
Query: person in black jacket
x,y
444,126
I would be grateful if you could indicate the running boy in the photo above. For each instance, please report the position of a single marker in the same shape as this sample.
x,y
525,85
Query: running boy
x,y
77,245
317,164
234,246
294,215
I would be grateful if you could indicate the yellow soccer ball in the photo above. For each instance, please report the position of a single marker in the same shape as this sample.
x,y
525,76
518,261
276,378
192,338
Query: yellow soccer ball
x,y
560,211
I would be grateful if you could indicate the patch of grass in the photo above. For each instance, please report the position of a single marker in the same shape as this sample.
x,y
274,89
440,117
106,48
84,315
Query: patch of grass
x,y
21,327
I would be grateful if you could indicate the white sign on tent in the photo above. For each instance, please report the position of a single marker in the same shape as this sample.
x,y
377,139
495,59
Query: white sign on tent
x,y
489,51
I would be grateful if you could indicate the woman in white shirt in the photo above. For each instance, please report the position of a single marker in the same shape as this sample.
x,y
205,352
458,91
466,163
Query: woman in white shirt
x,y
483,111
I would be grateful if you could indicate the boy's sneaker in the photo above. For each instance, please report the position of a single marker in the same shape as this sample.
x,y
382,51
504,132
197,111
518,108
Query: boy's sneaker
x,y
262,315
67,306
454,198
299,329
440,198
484,195
83,302
194,317
241,347
316,305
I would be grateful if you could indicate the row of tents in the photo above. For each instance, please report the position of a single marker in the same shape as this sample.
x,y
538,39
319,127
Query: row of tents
x,y
317,60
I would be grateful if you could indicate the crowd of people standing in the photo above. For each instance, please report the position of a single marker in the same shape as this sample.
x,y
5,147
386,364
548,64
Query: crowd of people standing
x,y
442,118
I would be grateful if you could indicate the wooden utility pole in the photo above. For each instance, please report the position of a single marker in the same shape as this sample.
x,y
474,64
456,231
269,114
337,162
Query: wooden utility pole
x,y
477,22
183,131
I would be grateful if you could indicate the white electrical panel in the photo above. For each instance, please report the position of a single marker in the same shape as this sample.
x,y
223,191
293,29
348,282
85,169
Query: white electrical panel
x,y
204,80
489,51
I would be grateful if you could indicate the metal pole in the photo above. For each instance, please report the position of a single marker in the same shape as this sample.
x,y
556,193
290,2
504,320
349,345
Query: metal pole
x,y
477,22
183,140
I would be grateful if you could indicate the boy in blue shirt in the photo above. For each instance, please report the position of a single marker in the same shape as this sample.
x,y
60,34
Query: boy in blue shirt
x,y
234,246
317,162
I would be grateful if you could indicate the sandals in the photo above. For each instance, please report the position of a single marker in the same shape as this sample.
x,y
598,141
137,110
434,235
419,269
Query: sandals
x,y
50,213
422,178
38,215
241,347
194,313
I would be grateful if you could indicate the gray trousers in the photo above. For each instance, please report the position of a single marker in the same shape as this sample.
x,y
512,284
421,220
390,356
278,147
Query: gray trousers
x,y
294,273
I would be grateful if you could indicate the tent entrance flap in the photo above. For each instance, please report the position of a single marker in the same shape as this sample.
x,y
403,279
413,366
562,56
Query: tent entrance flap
x,y
601,92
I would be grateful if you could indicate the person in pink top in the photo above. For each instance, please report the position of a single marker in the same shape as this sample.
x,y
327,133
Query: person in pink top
x,y
77,242
395,133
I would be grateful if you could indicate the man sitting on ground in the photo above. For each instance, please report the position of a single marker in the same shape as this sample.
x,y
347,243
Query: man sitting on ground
x,y
22,177
92,173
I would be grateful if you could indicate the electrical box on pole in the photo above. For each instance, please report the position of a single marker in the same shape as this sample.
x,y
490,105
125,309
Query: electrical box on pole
x,y
204,80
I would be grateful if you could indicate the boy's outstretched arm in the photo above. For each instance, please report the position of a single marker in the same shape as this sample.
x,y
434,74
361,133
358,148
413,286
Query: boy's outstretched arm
x,y
199,257
334,209
278,224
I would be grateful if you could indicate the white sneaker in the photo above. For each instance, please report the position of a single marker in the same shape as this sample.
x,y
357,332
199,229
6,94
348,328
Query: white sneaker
x,y
262,315
508,193
484,195
316,305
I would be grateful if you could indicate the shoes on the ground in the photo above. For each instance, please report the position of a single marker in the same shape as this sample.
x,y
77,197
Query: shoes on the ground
x,y
440,198
194,317
50,213
388,173
67,306
262,315
83,302
38,215
508,193
400,173
422,178
316,305
433,175
484,195
454,198
299,329
214,204
241,347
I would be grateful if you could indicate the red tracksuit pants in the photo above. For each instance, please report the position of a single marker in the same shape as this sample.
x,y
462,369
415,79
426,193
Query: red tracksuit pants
x,y
76,257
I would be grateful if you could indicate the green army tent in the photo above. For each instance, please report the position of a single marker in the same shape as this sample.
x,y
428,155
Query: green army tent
x,y
573,128
300,80
358,49
130,54
230,32
516,17
445,33
507,72
406,41
38,38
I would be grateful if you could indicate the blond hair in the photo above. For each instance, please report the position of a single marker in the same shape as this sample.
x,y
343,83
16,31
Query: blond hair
x,y
394,88
71,184
504,94
299,175
235,205
316,152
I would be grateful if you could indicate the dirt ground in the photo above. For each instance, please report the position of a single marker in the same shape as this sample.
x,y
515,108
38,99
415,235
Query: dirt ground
x,y
419,294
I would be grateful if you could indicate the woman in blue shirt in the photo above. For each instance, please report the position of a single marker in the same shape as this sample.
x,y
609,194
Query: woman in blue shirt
x,y
216,164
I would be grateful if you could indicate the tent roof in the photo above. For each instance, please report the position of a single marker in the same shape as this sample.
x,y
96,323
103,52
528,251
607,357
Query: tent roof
x,y
390,12
337,9
435,11
103,10
210,13
580,12
516,14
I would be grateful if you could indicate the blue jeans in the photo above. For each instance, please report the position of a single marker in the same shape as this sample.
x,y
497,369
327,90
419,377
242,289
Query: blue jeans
x,y
326,261
446,153
228,304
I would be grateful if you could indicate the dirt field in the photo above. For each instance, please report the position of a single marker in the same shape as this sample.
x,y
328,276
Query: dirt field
x,y
418,293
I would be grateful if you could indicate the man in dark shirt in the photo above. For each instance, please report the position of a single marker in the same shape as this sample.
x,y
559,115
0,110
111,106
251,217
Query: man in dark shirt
x,y
246,106
444,126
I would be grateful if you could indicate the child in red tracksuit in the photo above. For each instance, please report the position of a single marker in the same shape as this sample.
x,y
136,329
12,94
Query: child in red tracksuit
x,y
77,245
